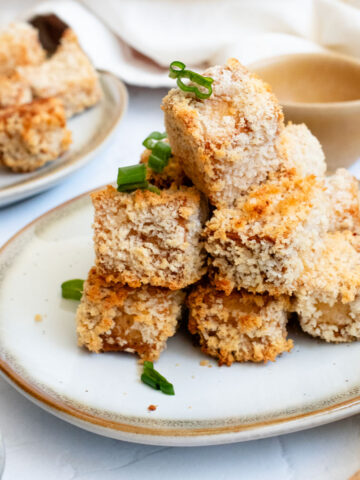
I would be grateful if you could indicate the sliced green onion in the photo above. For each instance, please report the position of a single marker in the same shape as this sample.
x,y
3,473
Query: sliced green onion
x,y
133,174
155,163
130,187
72,289
149,381
159,157
160,151
179,72
152,139
153,378
153,189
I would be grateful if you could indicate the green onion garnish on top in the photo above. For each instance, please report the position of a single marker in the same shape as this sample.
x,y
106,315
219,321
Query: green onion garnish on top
x,y
177,70
152,139
160,151
134,177
131,175
72,289
156,381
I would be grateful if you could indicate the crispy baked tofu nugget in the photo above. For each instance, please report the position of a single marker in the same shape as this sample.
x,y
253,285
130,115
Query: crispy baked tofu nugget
x,y
33,134
173,173
115,317
302,151
67,75
14,90
145,238
257,245
327,299
226,142
240,327
19,45
343,192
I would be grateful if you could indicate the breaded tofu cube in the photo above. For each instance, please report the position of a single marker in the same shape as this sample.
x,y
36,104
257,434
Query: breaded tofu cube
x,y
114,317
145,238
226,142
302,150
33,134
327,299
173,173
343,192
257,245
14,90
19,45
240,327
67,75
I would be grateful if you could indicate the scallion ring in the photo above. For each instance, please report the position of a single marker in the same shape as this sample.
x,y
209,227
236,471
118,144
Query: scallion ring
x,y
177,70
152,139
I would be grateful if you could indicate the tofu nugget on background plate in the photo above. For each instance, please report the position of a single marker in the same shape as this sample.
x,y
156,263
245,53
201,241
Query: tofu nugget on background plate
x,y
240,327
33,134
14,90
115,317
68,75
146,238
19,46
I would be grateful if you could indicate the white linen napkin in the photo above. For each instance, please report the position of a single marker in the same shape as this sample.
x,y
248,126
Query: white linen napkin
x,y
137,39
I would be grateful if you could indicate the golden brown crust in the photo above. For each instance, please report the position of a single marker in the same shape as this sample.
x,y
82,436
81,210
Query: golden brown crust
x,y
327,297
33,134
116,317
68,75
257,244
19,46
240,327
145,238
228,141
14,90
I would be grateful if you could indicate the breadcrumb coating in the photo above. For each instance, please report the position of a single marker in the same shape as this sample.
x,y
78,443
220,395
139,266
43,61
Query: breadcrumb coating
x,y
302,151
173,173
343,192
33,134
68,75
327,299
145,238
14,90
240,327
257,245
115,317
226,142
19,46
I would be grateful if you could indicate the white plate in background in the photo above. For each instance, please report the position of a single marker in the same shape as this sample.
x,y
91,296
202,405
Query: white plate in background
x,y
90,130
316,383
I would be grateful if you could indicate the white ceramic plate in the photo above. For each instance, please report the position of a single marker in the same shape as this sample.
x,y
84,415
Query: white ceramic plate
x,y
315,384
90,130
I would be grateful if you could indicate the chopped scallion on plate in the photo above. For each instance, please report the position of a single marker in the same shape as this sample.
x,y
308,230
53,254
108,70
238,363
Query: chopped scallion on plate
x,y
152,377
72,289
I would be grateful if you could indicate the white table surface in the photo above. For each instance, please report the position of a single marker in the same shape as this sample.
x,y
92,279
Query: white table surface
x,y
42,447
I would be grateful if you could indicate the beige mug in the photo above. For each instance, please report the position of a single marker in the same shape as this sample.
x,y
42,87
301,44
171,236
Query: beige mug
x,y
321,90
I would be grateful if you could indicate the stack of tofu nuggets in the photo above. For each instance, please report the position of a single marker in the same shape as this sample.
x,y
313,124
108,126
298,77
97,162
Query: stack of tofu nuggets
x,y
278,237
38,93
